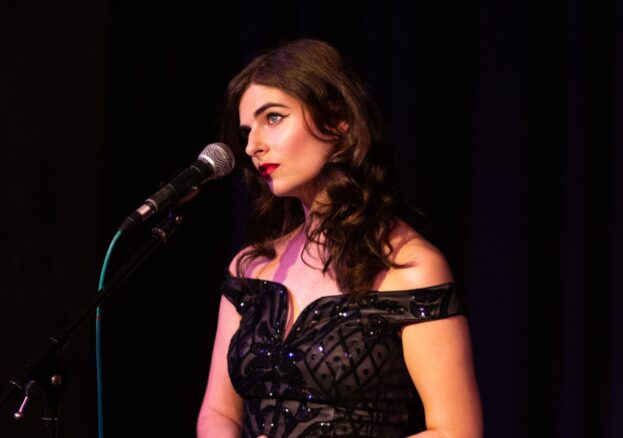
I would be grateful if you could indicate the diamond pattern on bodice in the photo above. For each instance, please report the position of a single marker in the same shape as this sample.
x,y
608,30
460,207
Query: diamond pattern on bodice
x,y
340,370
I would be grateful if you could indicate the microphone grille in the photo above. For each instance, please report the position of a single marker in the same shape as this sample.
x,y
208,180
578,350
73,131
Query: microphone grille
x,y
220,156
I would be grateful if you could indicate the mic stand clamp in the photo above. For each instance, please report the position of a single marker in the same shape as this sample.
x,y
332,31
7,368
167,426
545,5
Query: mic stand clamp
x,y
167,227
50,391
43,367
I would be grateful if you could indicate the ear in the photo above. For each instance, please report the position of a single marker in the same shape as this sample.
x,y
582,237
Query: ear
x,y
343,127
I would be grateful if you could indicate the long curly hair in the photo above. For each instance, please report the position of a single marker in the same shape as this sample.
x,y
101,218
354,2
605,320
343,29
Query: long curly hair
x,y
364,197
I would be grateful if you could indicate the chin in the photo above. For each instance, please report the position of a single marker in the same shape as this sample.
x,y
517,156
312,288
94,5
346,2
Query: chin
x,y
287,191
282,194
279,191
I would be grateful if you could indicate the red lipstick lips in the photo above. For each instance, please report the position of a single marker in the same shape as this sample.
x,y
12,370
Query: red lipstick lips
x,y
267,168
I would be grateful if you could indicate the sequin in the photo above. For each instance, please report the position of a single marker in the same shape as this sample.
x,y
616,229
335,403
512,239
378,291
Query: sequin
x,y
340,372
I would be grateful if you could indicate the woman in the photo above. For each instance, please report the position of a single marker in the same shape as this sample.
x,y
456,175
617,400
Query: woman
x,y
338,319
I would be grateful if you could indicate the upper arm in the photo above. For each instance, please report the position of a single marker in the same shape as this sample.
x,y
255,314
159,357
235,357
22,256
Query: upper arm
x,y
438,353
221,401
438,356
220,397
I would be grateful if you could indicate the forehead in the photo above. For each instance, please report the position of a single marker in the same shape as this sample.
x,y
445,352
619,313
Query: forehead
x,y
257,96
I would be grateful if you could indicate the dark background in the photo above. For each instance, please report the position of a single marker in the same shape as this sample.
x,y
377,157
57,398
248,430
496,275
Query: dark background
x,y
507,120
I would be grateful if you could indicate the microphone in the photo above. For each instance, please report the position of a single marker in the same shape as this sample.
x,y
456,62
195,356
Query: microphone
x,y
215,161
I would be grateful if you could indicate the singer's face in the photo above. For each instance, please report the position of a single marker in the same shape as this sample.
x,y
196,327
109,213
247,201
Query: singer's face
x,y
282,142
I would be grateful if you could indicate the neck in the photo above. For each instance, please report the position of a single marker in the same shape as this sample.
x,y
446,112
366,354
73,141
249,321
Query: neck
x,y
312,204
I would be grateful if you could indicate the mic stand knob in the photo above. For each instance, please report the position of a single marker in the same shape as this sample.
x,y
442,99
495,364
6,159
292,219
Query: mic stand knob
x,y
19,415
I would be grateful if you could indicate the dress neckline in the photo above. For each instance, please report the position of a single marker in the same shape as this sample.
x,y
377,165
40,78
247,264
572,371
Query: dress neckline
x,y
445,285
314,302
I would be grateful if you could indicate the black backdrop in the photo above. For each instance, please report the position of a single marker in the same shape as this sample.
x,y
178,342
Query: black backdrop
x,y
507,119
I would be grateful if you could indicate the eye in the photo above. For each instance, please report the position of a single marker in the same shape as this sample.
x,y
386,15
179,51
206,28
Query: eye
x,y
274,118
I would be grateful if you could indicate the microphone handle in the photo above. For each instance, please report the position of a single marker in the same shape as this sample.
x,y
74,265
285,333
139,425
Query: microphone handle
x,y
188,181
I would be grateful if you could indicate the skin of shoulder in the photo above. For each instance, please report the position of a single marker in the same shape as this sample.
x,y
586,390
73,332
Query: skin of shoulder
x,y
257,266
254,267
424,264
437,353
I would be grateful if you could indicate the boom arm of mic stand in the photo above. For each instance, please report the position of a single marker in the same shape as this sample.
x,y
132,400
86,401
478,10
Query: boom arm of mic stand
x,y
37,366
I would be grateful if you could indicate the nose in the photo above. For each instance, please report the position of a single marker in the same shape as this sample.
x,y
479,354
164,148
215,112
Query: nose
x,y
255,144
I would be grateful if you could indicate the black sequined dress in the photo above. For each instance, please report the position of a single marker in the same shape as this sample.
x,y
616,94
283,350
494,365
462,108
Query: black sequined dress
x,y
339,371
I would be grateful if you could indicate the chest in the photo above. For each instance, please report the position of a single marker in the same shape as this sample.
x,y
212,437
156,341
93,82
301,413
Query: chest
x,y
335,350
303,282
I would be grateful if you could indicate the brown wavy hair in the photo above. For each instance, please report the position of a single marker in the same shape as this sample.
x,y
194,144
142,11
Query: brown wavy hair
x,y
359,177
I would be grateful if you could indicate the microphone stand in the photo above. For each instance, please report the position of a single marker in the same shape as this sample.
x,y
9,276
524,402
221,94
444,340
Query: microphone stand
x,y
41,375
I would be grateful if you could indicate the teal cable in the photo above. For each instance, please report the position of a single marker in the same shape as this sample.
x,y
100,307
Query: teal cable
x,y
98,341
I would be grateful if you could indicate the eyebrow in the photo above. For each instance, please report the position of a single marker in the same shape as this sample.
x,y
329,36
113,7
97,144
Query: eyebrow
x,y
264,107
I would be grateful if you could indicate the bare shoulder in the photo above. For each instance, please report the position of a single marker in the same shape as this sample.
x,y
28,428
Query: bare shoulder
x,y
259,267
252,269
423,264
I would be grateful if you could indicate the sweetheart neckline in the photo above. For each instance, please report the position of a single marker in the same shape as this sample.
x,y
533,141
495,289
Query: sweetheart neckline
x,y
288,293
397,291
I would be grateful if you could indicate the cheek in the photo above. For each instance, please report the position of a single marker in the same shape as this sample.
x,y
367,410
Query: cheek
x,y
301,146
313,154
323,151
